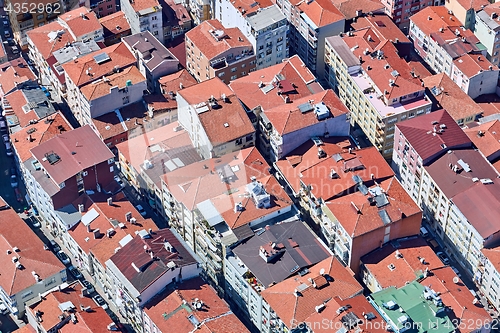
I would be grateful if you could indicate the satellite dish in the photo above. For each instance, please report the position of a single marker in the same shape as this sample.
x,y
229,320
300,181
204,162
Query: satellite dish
x,y
456,279
322,271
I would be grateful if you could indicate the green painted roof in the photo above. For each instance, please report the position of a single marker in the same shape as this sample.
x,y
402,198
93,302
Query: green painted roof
x,y
424,315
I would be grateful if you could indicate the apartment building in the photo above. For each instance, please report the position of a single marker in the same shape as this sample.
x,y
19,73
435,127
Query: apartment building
x,y
215,120
154,60
197,307
263,24
103,81
351,194
326,280
15,74
489,281
144,15
200,10
21,22
487,28
27,269
310,23
451,182
102,221
316,115
445,94
143,267
62,168
69,307
448,47
101,8
171,84
485,138
114,27
213,50
146,158
400,11
378,86
273,254
176,20
82,24
465,11
271,87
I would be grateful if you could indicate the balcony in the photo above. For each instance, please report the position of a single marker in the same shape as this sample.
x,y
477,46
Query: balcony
x,y
253,282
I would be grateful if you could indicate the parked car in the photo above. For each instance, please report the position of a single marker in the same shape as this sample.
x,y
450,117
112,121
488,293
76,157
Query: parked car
x,y
34,221
15,49
89,286
75,272
6,34
443,258
54,246
100,301
5,23
9,152
141,210
456,271
5,137
3,126
13,181
46,91
63,257
13,171
119,181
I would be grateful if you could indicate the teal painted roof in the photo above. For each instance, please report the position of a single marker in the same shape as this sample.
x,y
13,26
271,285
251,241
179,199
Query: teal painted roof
x,y
412,308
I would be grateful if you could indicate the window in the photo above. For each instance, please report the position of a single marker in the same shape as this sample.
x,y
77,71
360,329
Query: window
x,y
233,69
125,100
39,17
234,77
154,18
238,142
155,33
221,74
62,185
243,65
109,6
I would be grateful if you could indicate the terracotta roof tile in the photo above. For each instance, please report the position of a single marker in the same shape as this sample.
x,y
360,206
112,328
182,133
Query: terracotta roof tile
x,y
382,25
31,255
439,18
140,5
14,72
471,64
198,182
249,7
95,320
100,88
419,132
287,118
406,267
202,91
170,309
210,46
119,55
450,97
292,309
110,124
349,8
473,4
81,21
45,44
115,23
489,104
293,70
77,141
486,137
159,102
321,12
493,255
39,133
172,83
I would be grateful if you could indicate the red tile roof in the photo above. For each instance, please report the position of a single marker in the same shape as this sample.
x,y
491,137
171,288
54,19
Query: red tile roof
x,y
382,25
489,104
287,118
419,132
78,150
493,255
486,137
383,70
407,266
17,100
249,88
173,82
31,255
350,8
458,298
169,310
100,88
39,133
120,57
211,47
450,97
321,12
225,203
292,309
114,24
107,213
44,44
199,181
399,207
473,4
80,21
472,64
12,73
140,5
202,91
95,320
439,18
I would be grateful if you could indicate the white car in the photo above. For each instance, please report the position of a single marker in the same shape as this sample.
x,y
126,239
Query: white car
x,y
13,181
34,221
119,181
3,308
5,137
141,210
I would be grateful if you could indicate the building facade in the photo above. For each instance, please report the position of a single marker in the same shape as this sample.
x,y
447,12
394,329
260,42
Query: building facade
x,y
144,15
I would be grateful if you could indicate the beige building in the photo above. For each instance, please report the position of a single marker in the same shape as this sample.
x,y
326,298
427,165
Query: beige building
x,y
214,51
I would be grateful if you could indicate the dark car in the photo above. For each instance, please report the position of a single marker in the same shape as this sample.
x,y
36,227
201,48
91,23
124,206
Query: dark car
x,y
63,257
89,286
75,272
13,171
100,301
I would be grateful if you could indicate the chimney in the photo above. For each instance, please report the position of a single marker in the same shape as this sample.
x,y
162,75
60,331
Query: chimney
x,y
181,86
89,229
110,201
81,208
128,216
97,233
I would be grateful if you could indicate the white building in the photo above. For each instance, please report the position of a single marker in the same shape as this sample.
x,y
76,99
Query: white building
x,y
266,28
144,15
